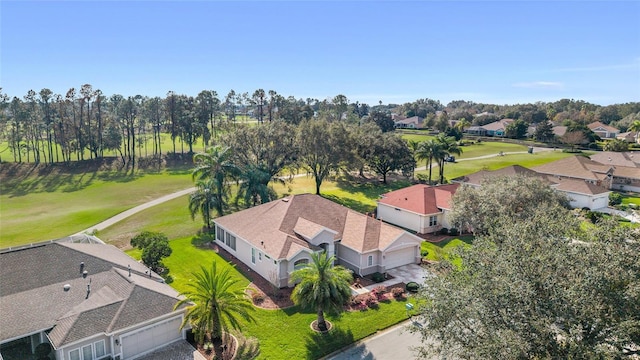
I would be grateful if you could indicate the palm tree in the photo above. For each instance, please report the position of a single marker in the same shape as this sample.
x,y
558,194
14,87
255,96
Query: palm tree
x,y
215,164
635,126
449,146
253,186
323,287
429,150
463,124
215,303
203,200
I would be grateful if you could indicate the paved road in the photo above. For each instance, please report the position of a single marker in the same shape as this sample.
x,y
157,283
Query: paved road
x,y
125,214
394,343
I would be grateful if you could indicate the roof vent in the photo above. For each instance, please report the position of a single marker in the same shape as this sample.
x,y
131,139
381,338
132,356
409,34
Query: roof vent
x,y
81,266
66,287
285,199
85,273
129,266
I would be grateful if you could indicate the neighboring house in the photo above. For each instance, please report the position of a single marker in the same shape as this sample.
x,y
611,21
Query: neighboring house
x,y
629,136
88,301
476,130
604,131
581,193
559,130
579,168
626,173
414,122
421,208
497,128
276,238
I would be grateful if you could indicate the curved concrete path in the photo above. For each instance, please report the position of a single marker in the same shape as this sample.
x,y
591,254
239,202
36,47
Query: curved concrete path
x,y
125,214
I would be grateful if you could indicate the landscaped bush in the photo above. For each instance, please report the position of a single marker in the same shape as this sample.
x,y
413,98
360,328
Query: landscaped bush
x,y
615,198
257,297
424,253
371,300
453,231
443,231
377,277
594,216
379,291
397,292
413,287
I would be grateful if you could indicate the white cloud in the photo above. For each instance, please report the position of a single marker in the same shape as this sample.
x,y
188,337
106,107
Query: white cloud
x,y
540,85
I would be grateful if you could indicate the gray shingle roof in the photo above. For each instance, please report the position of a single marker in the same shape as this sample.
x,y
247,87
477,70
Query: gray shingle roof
x,y
32,297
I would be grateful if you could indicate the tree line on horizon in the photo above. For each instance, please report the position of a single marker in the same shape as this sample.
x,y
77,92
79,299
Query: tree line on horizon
x,y
44,127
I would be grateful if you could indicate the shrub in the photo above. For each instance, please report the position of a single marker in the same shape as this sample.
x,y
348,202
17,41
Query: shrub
x,y
453,231
379,291
257,297
615,198
397,292
413,287
444,231
424,253
371,301
377,277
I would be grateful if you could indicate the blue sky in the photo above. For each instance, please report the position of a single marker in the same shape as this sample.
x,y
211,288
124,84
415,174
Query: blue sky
x,y
502,52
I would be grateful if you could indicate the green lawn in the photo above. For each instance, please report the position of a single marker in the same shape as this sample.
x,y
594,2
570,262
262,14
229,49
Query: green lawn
x,y
628,199
49,206
285,334
461,168
444,250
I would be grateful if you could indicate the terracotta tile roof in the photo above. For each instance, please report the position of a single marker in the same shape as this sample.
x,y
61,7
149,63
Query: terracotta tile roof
x,y
33,299
420,198
598,124
274,226
629,159
579,167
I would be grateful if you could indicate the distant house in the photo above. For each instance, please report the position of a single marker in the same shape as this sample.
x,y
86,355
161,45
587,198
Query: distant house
x,y
421,208
414,122
629,136
87,301
496,128
276,238
559,130
604,131
580,193
580,168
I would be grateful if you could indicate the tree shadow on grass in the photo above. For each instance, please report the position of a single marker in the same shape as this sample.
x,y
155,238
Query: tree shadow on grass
x,y
319,344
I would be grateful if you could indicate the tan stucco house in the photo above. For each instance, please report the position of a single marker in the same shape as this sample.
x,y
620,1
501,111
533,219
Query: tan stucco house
x,y
276,238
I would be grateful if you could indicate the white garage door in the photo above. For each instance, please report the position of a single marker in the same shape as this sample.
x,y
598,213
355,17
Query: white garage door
x,y
400,257
151,338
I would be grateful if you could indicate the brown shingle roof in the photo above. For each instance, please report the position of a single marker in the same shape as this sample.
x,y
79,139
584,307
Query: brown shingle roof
x,y
580,187
420,198
628,159
578,167
598,124
272,226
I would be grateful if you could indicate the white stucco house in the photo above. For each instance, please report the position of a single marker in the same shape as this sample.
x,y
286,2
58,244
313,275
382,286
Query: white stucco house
x,y
86,301
421,208
275,238
603,130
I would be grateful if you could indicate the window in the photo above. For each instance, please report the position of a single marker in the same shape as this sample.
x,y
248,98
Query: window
x,y
260,256
100,350
87,352
433,220
220,234
74,354
232,242
227,239
253,255
370,260
300,264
